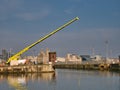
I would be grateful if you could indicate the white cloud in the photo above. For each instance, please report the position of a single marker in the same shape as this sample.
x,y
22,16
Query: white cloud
x,y
17,9
28,16
84,40
68,11
9,5
76,0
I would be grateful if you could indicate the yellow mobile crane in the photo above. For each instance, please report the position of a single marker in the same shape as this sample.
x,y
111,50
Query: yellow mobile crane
x,y
17,55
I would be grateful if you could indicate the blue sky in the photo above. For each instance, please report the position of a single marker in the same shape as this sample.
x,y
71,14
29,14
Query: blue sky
x,y
22,22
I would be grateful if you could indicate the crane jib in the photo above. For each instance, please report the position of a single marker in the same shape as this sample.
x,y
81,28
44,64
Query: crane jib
x,y
16,56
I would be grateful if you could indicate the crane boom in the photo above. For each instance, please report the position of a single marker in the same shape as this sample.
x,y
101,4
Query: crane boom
x,y
17,55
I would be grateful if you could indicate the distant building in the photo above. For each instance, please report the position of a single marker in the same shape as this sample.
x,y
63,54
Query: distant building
x,y
60,59
32,59
85,57
96,58
73,58
1,57
4,55
43,57
52,56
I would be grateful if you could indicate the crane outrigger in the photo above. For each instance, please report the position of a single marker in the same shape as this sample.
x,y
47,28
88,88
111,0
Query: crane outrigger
x,y
18,54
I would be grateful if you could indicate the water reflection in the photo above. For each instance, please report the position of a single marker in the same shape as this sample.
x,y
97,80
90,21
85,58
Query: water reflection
x,y
62,80
20,81
89,80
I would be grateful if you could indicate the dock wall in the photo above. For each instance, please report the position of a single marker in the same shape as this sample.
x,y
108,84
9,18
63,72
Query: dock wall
x,y
89,66
27,69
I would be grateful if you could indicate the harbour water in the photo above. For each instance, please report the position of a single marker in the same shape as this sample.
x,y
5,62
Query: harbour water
x,y
62,79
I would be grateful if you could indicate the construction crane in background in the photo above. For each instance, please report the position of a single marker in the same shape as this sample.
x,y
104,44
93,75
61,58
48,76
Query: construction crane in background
x,y
18,54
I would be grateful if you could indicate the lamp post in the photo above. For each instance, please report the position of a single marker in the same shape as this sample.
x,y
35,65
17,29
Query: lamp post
x,y
106,42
